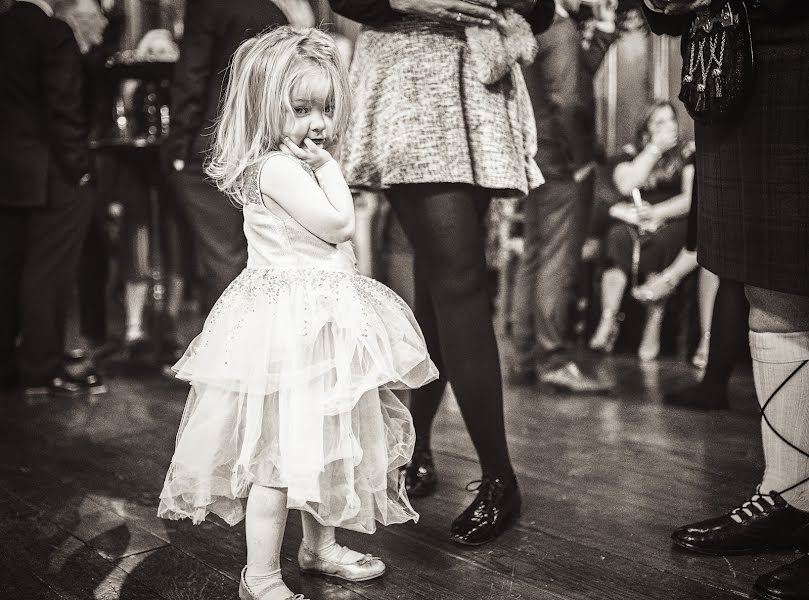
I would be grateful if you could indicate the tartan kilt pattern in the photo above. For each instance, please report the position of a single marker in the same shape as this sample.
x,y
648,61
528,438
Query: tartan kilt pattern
x,y
753,181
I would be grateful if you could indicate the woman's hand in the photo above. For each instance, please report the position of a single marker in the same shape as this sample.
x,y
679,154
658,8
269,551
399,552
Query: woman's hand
x,y
665,138
645,217
312,154
459,12
649,219
680,7
297,12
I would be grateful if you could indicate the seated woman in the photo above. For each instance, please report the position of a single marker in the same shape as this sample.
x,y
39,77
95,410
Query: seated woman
x,y
660,167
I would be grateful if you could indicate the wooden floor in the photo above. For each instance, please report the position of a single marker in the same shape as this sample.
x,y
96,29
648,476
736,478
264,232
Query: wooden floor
x,y
604,480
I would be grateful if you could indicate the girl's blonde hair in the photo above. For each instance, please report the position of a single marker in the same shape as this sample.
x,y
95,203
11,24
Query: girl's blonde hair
x,y
263,72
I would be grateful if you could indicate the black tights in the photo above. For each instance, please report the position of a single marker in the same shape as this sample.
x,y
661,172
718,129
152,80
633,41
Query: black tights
x,y
444,223
728,336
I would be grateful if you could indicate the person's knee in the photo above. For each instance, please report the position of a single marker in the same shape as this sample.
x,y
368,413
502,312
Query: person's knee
x,y
616,242
777,312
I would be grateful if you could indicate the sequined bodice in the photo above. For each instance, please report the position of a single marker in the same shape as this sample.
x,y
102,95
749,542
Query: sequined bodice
x,y
275,239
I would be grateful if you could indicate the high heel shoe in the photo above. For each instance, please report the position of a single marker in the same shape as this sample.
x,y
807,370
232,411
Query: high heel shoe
x,y
656,289
245,593
421,478
700,358
367,567
606,334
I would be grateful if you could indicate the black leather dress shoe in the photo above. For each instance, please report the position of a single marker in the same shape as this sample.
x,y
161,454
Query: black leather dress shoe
x,y
765,522
494,510
790,582
85,375
421,478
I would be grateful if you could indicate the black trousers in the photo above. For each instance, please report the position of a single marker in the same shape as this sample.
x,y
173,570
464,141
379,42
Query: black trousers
x,y
93,275
543,287
39,255
216,226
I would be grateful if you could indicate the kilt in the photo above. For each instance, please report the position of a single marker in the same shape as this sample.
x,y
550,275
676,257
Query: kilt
x,y
753,181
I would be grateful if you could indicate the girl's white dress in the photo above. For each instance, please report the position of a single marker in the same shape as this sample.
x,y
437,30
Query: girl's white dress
x,y
290,384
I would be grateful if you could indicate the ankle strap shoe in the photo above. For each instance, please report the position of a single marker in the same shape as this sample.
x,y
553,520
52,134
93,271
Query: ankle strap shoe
x,y
367,567
245,593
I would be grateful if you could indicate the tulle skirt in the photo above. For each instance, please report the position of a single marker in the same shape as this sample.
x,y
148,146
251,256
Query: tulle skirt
x,y
290,388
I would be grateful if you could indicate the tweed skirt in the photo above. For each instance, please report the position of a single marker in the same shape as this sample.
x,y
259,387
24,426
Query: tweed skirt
x,y
753,181
421,116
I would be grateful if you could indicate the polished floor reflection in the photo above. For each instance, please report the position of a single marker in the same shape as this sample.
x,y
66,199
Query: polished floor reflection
x,y
604,477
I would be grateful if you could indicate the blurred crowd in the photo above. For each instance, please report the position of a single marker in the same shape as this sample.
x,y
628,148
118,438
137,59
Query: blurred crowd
x,y
598,254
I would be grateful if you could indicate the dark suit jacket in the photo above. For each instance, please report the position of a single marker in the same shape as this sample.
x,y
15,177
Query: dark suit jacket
x,y
560,83
379,12
213,31
42,113
773,11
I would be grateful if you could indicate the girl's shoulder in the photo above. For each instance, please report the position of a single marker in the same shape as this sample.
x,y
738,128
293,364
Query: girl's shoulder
x,y
277,159
280,157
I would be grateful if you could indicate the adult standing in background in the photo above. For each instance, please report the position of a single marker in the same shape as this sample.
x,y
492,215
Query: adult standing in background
x,y
560,82
45,192
442,122
212,32
753,227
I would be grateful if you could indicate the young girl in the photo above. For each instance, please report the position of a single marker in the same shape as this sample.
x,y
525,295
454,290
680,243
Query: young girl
x,y
290,403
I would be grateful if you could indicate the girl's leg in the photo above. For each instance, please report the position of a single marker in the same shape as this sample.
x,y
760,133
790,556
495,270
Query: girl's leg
x,y
321,540
779,344
444,224
265,522
320,554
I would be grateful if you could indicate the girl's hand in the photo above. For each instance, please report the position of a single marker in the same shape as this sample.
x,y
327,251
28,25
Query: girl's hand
x,y
312,154
457,12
